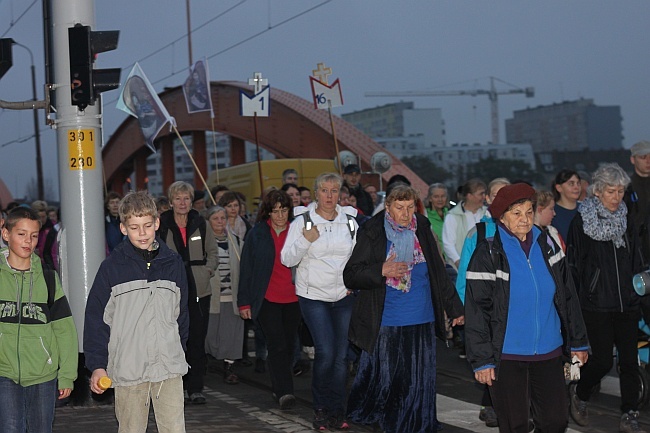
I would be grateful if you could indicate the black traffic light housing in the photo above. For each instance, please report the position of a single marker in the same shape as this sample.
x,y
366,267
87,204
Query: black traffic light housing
x,y
87,83
6,58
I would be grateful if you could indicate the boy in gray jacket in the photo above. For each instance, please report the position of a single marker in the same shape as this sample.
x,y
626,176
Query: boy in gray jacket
x,y
137,323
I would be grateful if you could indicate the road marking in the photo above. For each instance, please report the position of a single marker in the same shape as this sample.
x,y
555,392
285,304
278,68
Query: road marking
x,y
464,415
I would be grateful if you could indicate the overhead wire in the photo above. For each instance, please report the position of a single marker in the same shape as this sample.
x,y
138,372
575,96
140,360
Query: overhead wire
x,y
233,46
13,23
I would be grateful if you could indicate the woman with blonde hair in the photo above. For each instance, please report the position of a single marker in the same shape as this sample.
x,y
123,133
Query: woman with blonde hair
x,y
184,230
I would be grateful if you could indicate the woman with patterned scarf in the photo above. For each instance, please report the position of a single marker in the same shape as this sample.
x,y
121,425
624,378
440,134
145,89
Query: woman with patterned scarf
x,y
403,293
603,253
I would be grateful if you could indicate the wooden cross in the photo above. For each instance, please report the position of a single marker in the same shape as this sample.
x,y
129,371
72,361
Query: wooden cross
x,y
322,73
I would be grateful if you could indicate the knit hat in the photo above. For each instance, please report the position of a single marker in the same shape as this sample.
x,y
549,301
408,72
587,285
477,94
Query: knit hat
x,y
641,148
508,195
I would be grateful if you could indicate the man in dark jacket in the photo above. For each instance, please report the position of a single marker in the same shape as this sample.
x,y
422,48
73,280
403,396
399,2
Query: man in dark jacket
x,y
637,195
352,177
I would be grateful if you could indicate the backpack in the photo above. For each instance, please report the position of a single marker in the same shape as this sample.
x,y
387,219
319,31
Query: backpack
x,y
307,219
480,235
50,282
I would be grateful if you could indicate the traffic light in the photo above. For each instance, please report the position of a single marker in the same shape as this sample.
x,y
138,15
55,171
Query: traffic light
x,y
87,83
6,59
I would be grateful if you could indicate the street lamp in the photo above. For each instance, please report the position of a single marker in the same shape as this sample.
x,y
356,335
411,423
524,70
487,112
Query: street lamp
x,y
37,134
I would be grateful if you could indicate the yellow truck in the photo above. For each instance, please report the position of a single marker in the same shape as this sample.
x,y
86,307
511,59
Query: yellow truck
x,y
245,178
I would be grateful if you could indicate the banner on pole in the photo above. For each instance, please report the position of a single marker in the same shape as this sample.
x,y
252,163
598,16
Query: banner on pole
x,y
259,103
140,100
196,88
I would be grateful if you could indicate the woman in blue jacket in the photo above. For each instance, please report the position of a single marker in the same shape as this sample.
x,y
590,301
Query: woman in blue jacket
x,y
523,317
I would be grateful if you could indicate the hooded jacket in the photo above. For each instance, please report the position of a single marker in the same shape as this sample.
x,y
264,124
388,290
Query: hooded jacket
x,y
38,342
137,321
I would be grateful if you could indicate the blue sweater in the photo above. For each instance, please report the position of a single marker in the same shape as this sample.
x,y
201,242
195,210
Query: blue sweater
x,y
533,326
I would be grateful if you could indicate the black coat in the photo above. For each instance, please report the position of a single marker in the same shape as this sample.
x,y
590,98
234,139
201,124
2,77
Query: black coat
x,y
363,273
603,273
488,299
257,259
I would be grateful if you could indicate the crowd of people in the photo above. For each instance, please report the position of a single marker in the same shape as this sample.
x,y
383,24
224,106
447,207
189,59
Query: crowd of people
x,y
520,280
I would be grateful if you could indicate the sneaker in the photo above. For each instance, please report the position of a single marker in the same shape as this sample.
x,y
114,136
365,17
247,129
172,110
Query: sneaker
x,y
197,398
578,408
229,375
337,422
320,419
630,423
186,396
287,401
489,416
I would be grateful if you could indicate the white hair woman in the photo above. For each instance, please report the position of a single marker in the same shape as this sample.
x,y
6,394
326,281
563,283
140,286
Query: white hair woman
x,y
603,251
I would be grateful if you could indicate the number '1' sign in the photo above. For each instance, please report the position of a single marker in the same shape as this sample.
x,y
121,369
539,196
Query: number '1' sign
x,y
81,149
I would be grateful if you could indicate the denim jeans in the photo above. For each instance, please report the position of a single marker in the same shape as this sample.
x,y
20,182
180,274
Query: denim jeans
x,y
26,408
328,323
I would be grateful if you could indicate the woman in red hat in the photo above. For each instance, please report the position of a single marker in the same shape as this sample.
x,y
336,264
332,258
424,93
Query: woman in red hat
x,y
523,318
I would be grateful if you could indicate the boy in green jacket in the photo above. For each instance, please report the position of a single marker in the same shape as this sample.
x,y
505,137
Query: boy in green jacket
x,y
38,338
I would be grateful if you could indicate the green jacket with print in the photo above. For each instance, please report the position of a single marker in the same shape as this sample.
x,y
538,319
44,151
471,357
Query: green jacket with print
x,y
38,342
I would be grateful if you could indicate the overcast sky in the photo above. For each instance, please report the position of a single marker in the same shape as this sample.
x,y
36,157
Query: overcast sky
x,y
565,50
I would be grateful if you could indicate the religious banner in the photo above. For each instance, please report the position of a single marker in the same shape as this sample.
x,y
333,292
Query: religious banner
x,y
196,88
259,103
140,100
324,95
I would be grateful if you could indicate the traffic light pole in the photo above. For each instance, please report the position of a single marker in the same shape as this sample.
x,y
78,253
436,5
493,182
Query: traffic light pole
x,y
79,143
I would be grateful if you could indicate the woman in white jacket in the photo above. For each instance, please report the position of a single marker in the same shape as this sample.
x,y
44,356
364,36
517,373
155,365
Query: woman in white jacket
x,y
319,244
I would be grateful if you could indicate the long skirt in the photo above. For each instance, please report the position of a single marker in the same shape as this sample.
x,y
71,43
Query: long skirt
x,y
396,384
225,338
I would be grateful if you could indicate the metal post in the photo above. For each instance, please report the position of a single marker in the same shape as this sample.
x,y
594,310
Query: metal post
x,y
79,144
37,133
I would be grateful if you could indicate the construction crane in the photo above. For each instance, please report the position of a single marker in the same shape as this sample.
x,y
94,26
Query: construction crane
x,y
493,94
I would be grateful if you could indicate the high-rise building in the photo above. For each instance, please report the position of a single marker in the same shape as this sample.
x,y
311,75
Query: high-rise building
x,y
183,167
567,126
401,128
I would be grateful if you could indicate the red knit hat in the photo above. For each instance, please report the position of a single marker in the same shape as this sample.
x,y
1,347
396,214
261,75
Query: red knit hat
x,y
508,195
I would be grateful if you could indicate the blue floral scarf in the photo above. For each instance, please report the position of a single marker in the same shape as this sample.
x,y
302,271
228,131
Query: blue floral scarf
x,y
406,247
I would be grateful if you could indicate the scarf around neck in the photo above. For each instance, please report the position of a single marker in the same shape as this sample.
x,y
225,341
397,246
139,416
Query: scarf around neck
x,y
601,224
406,247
